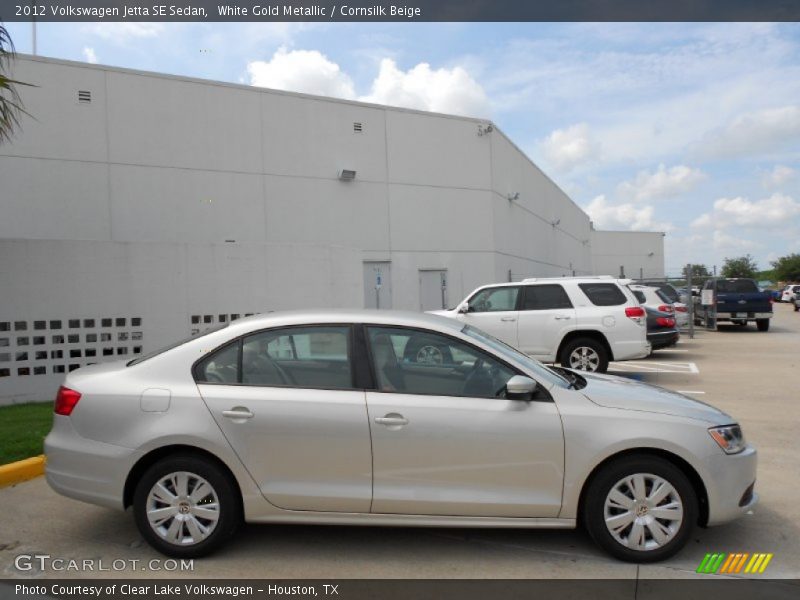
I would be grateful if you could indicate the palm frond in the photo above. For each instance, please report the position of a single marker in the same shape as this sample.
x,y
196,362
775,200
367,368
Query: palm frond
x,y
10,103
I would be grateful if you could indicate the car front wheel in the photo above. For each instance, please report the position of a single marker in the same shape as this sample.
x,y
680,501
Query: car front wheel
x,y
186,506
640,509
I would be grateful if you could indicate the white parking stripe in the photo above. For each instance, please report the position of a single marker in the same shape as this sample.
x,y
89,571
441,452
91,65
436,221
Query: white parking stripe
x,y
654,367
689,392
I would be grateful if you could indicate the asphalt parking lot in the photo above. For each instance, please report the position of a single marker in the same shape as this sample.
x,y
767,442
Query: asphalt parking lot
x,y
748,374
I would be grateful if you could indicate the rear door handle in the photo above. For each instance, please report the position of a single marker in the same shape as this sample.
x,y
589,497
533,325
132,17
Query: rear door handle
x,y
392,420
238,412
560,317
508,318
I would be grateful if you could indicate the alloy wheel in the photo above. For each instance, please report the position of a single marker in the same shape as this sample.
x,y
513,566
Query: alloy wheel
x,y
584,358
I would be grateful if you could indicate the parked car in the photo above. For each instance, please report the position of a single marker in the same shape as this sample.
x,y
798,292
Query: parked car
x,y
581,322
318,417
672,294
656,298
662,331
738,301
797,302
790,293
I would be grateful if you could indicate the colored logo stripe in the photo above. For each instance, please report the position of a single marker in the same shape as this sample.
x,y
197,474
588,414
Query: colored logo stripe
x,y
721,562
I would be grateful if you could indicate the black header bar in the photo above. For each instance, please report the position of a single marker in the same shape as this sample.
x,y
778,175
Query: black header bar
x,y
399,10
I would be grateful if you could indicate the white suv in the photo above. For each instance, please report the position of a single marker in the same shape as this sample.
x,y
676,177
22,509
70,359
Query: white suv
x,y
581,322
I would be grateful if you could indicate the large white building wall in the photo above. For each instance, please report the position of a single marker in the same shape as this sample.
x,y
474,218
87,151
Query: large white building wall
x,y
166,286
637,254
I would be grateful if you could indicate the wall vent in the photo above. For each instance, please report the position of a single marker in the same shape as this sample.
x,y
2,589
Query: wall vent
x,y
357,127
84,97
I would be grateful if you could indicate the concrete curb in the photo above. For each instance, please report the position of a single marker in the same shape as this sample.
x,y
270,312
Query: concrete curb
x,y
22,470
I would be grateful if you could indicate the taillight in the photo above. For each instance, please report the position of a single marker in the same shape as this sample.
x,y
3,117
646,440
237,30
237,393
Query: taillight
x,y
636,313
66,400
665,321
682,308
667,308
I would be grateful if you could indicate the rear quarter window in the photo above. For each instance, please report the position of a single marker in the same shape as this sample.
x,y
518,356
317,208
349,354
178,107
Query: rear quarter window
x,y
603,294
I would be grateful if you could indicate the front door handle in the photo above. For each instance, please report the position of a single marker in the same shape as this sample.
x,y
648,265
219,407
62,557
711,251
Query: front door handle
x,y
392,420
508,318
560,317
238,412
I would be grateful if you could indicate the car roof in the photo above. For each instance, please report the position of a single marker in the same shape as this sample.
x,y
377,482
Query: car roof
x,y
333,315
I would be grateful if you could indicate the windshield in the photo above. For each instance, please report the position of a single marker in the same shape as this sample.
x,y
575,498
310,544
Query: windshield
x,y
542,373
145,357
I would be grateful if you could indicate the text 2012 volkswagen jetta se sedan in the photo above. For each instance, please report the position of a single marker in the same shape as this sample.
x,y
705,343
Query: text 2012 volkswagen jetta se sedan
x,y
345,418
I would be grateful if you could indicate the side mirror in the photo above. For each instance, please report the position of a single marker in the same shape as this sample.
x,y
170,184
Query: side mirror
x,y
520,387
463,308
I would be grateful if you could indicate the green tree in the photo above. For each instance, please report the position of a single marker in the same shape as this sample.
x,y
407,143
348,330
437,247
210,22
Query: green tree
x,y
696,270
787,268
10,103
742,266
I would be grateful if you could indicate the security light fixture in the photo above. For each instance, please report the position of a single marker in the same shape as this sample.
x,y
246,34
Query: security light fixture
x,y
347,175
555,222
651,254
485,129
512,196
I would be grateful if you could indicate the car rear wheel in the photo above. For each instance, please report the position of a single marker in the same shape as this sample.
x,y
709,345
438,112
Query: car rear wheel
x,y
584,354
762,324
640,509
186,506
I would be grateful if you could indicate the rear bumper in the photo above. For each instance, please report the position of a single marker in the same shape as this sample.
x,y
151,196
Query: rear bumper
x,y
663,339
631,350
84,469
742,316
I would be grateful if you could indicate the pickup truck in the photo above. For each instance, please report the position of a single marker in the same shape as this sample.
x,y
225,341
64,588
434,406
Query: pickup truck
x,y
739,301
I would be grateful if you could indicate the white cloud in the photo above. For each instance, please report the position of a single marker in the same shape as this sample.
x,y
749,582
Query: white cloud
x,y
439,90
633,217
90,55
776,211
121,32
570,147
779,175
307,71
768,130
663,183
725,241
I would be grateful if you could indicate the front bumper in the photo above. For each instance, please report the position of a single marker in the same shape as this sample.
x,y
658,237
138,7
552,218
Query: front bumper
x,y
85,469
730,478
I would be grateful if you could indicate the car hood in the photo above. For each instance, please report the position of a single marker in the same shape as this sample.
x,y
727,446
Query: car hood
x,y
448,312
620,392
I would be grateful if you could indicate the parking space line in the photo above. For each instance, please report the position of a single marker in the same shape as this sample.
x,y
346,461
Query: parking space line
x,y
689,392
655,367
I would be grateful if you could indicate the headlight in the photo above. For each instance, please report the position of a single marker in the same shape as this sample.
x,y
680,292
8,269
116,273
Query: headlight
x,y
729,438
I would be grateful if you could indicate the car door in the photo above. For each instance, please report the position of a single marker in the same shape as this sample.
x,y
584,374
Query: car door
x,y
285,400
495,311
546,315
445,442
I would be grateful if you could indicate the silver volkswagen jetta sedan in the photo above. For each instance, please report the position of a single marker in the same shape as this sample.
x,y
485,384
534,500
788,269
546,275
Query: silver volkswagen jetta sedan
x,y
389,418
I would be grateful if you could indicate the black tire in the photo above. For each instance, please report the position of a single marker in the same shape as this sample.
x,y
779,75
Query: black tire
x,y
762,324
421,349
796,308
590,344
230,506
609,477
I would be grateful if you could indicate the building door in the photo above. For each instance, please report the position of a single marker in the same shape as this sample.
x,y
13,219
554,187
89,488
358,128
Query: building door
x,y
377,284
432,289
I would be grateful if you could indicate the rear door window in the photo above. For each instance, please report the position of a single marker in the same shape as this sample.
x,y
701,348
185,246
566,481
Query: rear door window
x,y
545,297
603,294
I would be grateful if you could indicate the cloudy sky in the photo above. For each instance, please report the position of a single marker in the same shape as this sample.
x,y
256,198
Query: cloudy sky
x,y
692,129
